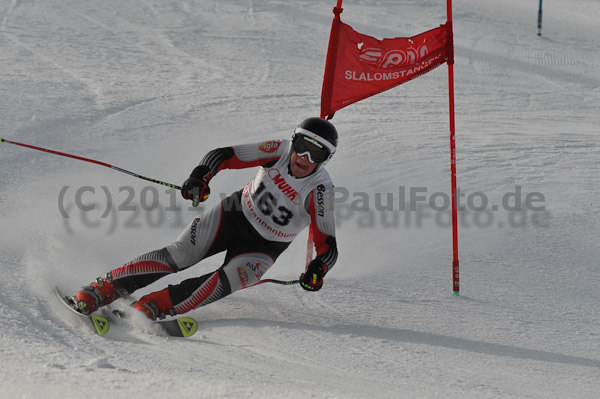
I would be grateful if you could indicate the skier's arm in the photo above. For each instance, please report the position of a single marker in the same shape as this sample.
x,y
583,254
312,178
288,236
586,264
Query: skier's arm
x,y
243,156
236,157
320,208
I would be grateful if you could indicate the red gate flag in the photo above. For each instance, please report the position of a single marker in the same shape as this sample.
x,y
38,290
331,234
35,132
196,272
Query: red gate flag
x,y
359,66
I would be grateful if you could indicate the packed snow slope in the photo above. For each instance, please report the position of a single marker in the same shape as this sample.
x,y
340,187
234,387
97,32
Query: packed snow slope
x,y
151,86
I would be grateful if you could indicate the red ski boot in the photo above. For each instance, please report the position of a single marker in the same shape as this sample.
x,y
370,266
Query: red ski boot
x,y
156,305
94,296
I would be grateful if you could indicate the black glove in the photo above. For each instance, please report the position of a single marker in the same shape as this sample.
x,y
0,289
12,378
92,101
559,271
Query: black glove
x,y
196,188
312,278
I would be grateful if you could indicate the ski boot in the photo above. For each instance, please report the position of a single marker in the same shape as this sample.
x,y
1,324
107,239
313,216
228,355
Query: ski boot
x,y
94,296
156,305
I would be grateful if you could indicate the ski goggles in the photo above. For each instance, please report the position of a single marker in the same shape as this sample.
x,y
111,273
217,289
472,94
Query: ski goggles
x,y
315,147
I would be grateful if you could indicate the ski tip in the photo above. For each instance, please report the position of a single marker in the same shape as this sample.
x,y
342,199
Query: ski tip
x,y
61,295
100,324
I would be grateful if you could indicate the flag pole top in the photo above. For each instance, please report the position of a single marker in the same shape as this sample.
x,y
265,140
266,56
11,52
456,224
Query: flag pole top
x,y
337,10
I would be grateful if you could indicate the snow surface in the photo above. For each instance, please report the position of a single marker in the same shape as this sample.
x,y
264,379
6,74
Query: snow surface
x,y
151,86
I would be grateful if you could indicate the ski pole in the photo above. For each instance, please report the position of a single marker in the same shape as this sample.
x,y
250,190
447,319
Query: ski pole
x,y
280,282
92,161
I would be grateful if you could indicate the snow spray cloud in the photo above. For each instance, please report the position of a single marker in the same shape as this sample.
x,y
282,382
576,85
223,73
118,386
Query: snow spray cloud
x,y
99,208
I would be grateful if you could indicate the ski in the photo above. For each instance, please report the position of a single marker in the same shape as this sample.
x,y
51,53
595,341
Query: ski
x,y
179,327
99,324
182,327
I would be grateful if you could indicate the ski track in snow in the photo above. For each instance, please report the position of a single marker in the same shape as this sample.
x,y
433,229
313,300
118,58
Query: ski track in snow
x,y
151,86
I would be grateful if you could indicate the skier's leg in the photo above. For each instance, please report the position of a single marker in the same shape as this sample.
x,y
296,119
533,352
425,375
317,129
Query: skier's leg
x,y
195,243
248,257
242,271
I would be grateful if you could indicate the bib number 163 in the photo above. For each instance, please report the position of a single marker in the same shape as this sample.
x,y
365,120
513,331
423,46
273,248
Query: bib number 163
x,y
267,204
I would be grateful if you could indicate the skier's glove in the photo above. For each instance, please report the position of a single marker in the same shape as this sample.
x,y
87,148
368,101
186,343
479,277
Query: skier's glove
x,y
312,278
196,188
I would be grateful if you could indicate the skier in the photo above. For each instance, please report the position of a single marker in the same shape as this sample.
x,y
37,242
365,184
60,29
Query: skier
x,y
254,226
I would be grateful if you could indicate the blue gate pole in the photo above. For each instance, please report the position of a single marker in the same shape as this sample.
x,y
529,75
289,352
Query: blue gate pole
x,y
540,20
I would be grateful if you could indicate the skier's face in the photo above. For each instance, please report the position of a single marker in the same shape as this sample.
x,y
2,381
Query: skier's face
x,y
301,166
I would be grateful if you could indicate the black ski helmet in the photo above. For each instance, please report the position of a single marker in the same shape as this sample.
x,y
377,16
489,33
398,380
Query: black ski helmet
x,y
320,132
321,128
